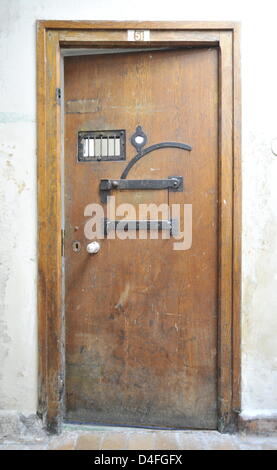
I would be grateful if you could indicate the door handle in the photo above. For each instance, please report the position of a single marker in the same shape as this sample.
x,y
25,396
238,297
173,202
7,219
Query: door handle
x,y
172,183
93,248
171,225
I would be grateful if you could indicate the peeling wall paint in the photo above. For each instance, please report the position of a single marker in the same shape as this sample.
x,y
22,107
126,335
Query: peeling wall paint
x,y
18,330
18,255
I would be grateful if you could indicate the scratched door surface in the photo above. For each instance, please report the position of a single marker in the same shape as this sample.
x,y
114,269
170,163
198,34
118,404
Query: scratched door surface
x,y
141,317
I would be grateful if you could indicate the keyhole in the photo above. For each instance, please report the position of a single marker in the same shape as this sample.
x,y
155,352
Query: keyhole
x,y
76,246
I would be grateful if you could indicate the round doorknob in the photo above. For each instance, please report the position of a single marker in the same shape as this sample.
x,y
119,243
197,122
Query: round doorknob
x,y
93,247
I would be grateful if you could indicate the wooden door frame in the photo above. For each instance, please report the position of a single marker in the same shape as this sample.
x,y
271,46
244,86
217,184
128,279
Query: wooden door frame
x,y
52,36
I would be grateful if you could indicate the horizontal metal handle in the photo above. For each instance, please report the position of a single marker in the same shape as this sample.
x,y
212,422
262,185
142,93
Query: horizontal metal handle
x,y
173,183
172,225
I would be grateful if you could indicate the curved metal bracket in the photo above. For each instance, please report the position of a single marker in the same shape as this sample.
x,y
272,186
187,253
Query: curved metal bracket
x,y
144,152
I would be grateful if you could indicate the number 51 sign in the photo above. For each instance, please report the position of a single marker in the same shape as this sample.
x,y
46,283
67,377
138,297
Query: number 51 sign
x,y
138,35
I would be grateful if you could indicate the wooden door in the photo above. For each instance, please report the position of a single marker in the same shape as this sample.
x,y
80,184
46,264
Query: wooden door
x,y
140,317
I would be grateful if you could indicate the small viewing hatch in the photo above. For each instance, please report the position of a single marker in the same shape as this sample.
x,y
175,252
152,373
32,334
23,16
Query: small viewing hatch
x,y
101,146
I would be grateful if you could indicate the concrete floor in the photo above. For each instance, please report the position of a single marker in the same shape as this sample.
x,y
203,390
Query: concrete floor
x,y
104,438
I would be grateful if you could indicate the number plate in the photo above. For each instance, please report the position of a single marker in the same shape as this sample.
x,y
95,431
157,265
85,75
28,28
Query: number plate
x,y
138,35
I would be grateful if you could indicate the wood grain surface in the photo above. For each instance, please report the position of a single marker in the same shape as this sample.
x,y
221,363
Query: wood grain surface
x,y
141,318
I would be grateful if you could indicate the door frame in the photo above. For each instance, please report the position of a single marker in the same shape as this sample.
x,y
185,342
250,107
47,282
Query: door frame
x,y
52,36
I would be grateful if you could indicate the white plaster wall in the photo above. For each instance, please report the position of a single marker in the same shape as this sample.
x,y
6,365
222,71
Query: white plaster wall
x,y
18,316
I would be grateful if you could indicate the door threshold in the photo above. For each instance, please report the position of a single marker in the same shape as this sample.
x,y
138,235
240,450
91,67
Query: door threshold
x,y
78,426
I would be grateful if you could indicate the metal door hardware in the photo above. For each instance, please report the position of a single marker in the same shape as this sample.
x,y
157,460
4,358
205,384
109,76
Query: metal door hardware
x,y
173,183
93,247
138,140
58,96
171,225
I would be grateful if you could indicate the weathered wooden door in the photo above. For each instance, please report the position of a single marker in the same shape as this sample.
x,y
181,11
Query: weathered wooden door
x,y
141,317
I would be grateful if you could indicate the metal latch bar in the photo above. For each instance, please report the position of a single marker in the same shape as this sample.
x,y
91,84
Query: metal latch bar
x,y
171,225
173,183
